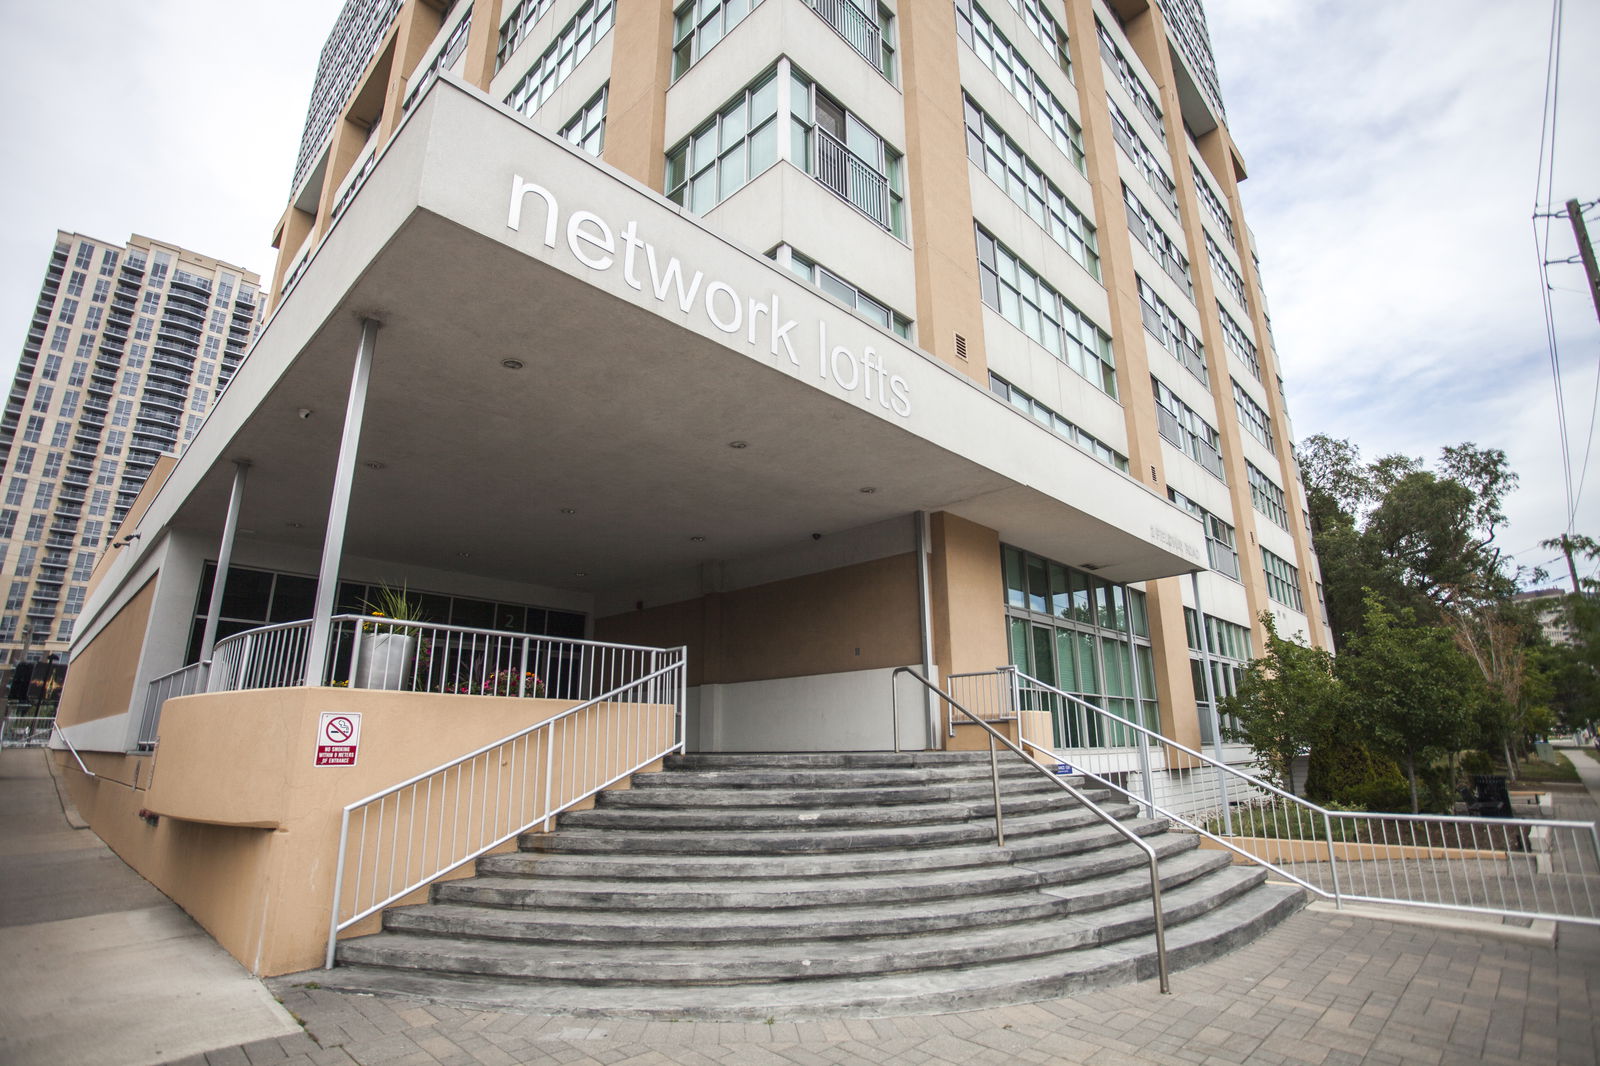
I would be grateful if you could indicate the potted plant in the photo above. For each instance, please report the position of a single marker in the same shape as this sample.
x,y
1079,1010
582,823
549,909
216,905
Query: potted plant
x,y
386,646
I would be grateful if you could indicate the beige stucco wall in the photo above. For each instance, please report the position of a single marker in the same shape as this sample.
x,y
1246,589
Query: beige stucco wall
x,y
100,683
242,827
858,617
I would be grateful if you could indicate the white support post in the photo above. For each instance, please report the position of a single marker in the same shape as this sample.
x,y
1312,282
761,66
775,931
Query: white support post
x,y
923,544
230,526
339,508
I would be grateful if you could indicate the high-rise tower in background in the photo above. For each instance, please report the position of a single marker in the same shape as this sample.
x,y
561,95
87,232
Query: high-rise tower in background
x,y
128,345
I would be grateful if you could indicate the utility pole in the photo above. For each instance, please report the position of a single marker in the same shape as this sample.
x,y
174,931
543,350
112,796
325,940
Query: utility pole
x,y
1586,251
1566,548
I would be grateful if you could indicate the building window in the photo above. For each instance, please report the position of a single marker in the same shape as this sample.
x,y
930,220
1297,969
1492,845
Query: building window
x,y
52,465
517,26
78,373
699,24
74,601
1144,158
1149,233
69,403
1019,79
141,329
1056,424
36,521
26,557
1212,202
17,596
83,567
1143,99
814,273
42,397
91,534
1182,427
22,460
575,41
64,631
1003,160
730,148
150,304
99,501
872,36
68,311
587,129
59,435
85,345
8,523
42,494
1167,328
1043,26
130,384
108,262
1086,637
1022,298
108,472
846,155
102,289
34,429
85,256
50,368
1266,496
136,354
1230,278
1238,342
1253,418
75,282
1283,580
58,340
1221,549
1227,648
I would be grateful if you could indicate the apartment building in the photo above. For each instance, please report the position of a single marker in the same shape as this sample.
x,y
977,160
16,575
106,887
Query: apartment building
x,y
128,346
814,338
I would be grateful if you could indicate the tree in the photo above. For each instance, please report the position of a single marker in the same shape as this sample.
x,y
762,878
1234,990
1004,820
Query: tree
x,y
1411,690
1288,700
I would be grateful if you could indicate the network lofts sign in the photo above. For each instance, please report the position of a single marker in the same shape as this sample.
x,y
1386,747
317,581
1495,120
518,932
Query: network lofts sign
x,y
761,325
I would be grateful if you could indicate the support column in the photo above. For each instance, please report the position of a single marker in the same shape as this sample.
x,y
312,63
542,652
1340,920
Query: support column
x,y
230,526
339,507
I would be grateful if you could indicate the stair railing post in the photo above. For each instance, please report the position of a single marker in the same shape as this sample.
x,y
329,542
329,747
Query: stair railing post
x,y
999,811
1333,860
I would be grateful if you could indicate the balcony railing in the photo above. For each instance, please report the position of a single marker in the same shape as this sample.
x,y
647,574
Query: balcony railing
x,y
859,30
852,178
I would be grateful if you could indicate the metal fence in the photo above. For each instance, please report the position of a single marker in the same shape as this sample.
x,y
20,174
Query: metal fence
x,y
1518,868
859,30
852,177
397,841
185,681
26,730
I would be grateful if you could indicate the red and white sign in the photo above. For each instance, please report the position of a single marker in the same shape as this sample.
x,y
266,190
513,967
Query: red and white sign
x,y
338,738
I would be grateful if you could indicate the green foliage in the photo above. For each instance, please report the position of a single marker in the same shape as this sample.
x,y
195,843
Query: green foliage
x,y
1478,762
1540,772
1347,771
1411,691
1287,700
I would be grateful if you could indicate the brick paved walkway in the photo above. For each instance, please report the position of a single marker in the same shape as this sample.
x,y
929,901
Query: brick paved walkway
x,y
1324,988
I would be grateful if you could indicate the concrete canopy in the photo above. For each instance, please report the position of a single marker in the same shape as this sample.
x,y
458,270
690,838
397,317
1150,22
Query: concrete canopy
x,y
608,454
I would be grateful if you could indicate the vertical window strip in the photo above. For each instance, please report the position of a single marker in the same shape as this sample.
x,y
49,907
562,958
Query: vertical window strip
x,y
1025,300
1143,158
1283,580
1178,339
1123,71
1255,420
1020,80
1144,226
1231,279
1266,496
1211,200
575,41
515,29
1181,426
1043,26
1003,160
1237,341
1221,549
698,25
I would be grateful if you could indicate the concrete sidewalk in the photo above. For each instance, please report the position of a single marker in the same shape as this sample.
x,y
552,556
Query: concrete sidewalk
x,y
96,966
1323,988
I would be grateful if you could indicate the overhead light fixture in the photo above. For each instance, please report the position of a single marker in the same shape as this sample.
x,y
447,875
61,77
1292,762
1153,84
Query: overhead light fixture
x,y
580,573
738,444
866,490
464,555
373,464
512,364
569,510
697,539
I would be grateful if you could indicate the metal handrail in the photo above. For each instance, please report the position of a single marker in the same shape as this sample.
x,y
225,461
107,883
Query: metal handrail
x,y
55,731
1433,827
665,681
1084,801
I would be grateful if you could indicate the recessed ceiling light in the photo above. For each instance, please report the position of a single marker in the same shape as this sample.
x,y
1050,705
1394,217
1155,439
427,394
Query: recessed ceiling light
x,y
512,364
569,510
464,555
295,525
580,573
867,490
697,539
738,444
373,464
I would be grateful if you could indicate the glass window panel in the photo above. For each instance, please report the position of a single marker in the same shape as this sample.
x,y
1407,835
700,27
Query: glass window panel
x,y
1060,596
1038,585
1066,666
1016,594
1044,657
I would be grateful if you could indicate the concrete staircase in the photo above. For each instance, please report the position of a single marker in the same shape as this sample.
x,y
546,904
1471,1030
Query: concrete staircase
x,y
762,886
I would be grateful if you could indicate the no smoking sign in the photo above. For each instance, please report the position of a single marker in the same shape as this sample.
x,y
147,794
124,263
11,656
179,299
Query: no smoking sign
x,y
338,738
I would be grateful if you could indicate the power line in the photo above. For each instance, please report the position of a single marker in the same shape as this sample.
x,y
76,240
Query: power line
x,y
1543,195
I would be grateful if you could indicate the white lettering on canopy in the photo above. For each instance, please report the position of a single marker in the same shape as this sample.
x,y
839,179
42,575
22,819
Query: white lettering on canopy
x,y
594,244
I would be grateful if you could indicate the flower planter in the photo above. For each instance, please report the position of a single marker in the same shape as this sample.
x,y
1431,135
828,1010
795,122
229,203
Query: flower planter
x,y
384,660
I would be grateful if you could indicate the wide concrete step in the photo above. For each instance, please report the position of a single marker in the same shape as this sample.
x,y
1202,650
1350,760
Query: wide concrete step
x,y
720,796
786,893
690,816
834,760
960,987
1111,878
835,777
794,840
628,864
805,960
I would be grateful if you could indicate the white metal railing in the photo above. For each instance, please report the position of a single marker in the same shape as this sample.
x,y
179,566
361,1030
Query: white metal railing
x,y
26,731
852,177
185,681
1536,868
859,30
397,841
365,652
996,737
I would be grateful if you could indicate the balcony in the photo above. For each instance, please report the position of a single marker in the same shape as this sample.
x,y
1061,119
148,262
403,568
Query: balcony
x,y
851,178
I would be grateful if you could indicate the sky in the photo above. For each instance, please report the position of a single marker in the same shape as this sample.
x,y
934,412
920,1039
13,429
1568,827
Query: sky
x,y
1392,146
